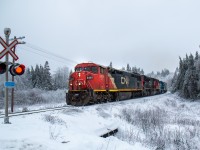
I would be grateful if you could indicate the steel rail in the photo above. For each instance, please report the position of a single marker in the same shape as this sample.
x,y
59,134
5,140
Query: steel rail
x,y
34,111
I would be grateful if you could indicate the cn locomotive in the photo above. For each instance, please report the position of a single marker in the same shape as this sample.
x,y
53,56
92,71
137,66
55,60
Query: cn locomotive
x,y
93,83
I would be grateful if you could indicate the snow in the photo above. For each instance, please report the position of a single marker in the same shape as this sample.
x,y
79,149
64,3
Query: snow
x,y
78,128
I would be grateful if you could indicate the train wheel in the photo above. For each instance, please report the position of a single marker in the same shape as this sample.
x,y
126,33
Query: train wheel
x,y
79,99
85,99
79,103
100,98
94,98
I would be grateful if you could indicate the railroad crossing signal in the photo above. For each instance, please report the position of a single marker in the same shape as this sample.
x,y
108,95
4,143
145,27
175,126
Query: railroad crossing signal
x,y
17,69
8,48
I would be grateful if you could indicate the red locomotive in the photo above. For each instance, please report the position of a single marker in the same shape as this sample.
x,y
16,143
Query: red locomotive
x,y
93,83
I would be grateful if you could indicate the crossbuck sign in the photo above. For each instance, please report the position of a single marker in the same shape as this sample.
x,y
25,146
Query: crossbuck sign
x,y
8,49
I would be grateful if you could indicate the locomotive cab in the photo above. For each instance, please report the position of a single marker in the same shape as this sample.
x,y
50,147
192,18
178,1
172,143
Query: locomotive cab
x,y
84,76
87,78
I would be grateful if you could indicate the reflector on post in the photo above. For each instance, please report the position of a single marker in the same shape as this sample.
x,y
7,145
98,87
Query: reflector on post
x,y
2,68
17,69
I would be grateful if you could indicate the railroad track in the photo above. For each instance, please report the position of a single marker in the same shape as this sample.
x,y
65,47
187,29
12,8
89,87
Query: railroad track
x,y
52,109
34,111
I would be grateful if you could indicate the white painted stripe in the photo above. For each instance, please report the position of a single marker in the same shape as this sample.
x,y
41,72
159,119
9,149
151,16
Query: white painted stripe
x,y
3,43
3,53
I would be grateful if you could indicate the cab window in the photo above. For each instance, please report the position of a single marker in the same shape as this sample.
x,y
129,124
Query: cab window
x,y
78,69
87,69
94,69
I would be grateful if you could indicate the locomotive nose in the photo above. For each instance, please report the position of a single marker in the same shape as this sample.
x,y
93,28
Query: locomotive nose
x,y
79,81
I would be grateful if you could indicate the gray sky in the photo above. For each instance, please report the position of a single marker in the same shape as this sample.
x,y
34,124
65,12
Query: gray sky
x,y
150,34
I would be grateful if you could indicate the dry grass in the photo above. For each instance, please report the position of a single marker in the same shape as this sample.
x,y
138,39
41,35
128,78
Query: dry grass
x,y
155,128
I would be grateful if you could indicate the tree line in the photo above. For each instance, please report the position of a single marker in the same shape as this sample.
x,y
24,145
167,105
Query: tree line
x,y
130,69
186,77
40,77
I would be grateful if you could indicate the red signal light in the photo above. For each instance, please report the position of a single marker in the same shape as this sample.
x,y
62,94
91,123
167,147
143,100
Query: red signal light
x,y
2,68
17,69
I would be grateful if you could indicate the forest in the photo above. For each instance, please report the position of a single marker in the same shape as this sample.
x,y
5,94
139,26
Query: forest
x,y
186,78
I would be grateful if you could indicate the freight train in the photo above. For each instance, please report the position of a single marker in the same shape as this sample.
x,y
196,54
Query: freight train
x,y
93,83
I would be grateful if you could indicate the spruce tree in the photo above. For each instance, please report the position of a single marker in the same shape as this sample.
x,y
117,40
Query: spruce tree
x,y
111,65
196,56
187,80
128,68
36,81
60,78
46,77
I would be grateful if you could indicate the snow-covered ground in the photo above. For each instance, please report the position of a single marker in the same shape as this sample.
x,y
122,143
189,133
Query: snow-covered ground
x,y
163,121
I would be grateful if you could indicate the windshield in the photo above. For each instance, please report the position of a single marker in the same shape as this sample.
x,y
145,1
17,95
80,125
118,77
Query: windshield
x,y
92,69
78,69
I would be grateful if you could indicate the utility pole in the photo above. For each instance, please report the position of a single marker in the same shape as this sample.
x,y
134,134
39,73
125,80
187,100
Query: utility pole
x,y
12,92
7,32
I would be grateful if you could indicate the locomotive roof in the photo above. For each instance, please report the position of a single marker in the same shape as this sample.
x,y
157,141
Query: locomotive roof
x,y
111,69
118,70
89,64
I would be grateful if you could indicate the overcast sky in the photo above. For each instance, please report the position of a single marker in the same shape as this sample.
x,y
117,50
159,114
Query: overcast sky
x,y
150,34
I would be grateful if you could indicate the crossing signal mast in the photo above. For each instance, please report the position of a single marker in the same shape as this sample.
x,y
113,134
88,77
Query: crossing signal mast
x,y
14,69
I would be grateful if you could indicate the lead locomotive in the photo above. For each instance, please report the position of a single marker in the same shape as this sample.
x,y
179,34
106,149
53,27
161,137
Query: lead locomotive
x,y
93,83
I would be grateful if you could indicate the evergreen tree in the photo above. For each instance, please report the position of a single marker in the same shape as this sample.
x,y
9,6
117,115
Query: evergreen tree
x,y
70,72
23,82
36,74
187,80
128,68
196,56
191,62
33,77
142,72
158,73
46,77
134,69
174,79
111,65
60,78
164,72
123,68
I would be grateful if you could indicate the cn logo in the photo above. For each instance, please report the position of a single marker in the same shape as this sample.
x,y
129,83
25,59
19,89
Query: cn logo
x,y
125,80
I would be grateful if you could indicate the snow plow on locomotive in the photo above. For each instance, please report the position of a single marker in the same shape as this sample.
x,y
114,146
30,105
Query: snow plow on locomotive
x,y
93,83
